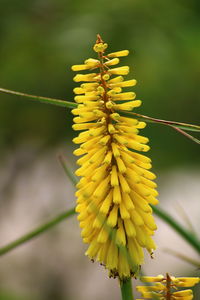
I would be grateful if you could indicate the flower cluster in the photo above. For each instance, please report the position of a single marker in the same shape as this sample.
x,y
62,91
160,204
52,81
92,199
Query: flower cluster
x,y
166,288
116,188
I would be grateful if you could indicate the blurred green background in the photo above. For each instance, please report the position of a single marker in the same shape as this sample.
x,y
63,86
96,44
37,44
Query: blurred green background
x,y
40,40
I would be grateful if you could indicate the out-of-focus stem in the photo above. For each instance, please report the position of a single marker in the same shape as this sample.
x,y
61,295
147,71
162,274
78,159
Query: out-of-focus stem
x,y
41,99
36,232
187,235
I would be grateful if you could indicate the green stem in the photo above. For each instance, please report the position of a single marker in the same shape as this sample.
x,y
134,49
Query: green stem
x,y
185,126
36,232
67,170
194,262
126,290
69,104
187,135
159,212
187,235
41,99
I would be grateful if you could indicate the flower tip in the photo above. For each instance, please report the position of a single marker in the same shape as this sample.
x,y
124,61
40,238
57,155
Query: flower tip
x,y
74,68
100,47
76,78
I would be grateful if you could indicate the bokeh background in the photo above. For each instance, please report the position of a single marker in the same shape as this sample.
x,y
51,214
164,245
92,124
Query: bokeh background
x,y
39,41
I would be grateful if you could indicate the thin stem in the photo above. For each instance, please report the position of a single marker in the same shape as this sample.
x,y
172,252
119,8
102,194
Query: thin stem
x,y
191,239
41,99
68,104
168,287
126,290
36,232
189,136
194,262
184,126
67,170
187,235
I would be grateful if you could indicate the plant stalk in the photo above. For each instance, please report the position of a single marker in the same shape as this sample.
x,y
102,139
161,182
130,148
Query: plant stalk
x,y
69,104
187,235
126,290
41,99
36,232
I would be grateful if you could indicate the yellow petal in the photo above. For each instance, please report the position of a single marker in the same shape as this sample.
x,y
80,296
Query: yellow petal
x,y
112,218
119,53
119,71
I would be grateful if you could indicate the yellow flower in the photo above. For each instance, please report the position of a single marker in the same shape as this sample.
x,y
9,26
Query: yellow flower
x,y
165,288
116,188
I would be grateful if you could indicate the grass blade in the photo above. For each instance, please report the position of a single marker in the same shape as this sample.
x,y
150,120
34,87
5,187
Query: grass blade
x,y
36,232
57,102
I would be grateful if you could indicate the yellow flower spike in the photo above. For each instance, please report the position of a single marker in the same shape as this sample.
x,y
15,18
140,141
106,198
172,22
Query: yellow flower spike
x,y
165,288
116,187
